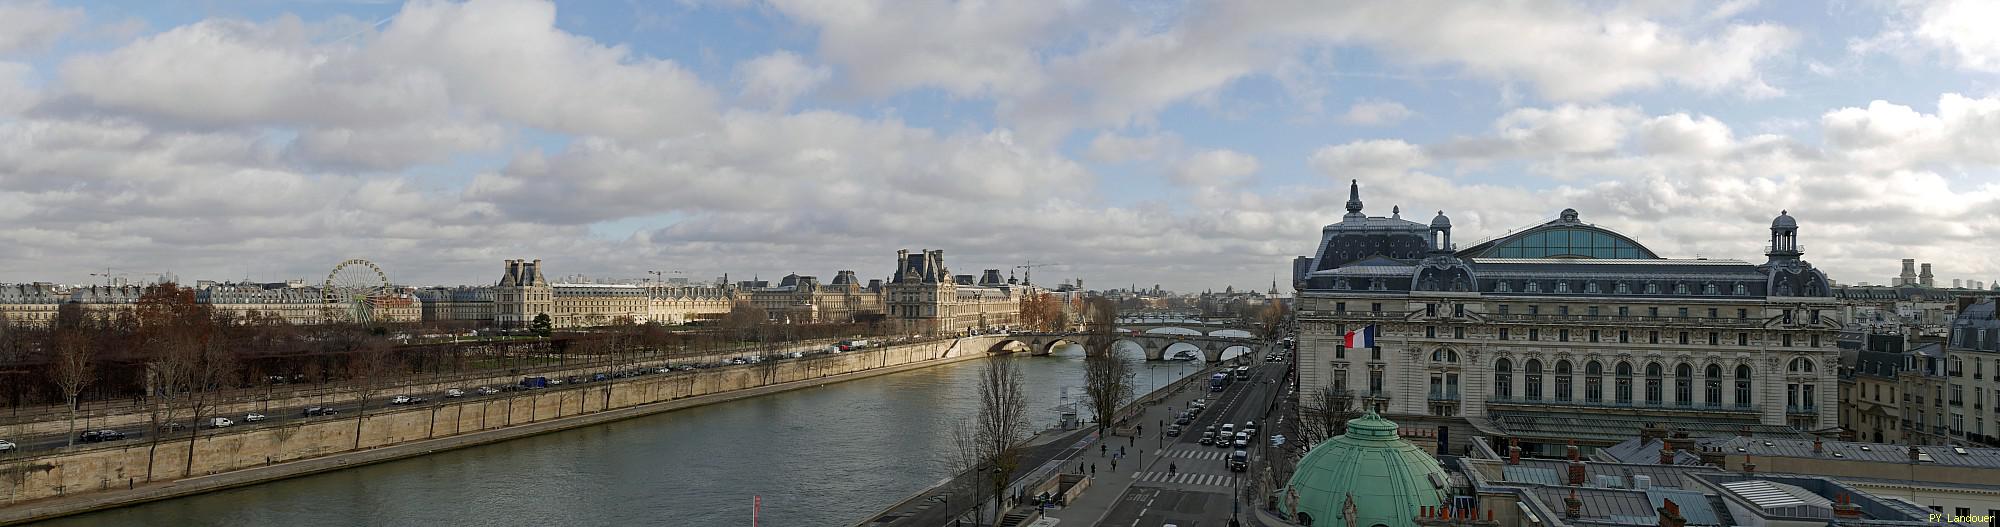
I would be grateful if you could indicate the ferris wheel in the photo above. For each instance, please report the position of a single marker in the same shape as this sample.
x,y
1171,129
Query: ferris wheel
x,y
353,289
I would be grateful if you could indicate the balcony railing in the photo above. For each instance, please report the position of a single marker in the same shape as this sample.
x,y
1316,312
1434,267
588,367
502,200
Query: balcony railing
x,y
1801,410
1610,404
1625,320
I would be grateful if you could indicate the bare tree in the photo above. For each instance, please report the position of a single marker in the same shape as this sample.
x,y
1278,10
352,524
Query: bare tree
x,y
1041,312
1323,414
173,332
1270,320
368,368
75,359
1107,379
989,446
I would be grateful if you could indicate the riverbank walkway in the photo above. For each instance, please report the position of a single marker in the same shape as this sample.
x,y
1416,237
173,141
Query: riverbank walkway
x,y
1109,485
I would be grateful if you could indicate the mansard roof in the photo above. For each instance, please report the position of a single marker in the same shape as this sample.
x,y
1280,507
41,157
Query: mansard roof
x,y
1563,237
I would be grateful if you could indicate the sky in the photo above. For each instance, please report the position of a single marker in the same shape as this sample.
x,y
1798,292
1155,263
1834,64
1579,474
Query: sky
x,y
1191,144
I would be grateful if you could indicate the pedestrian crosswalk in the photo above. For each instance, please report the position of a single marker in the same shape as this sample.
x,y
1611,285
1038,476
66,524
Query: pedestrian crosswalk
x,y
1185,478
1203,453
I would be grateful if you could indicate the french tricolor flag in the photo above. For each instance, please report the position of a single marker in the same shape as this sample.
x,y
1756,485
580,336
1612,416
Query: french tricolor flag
x,y
1361,338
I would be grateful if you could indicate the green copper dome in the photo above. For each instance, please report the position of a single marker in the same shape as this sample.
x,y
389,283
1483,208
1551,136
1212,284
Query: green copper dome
x,y
1387,479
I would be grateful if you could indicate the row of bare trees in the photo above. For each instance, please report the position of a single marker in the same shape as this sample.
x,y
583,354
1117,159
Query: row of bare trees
x,y
1107,378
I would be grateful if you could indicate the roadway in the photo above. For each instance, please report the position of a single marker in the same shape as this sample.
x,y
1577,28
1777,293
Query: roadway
x,y
1191,485
346,408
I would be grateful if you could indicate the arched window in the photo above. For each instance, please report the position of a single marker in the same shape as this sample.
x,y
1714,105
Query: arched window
x,y
1502,286
1534,372
1444,355
1743,386
1623,289
1740,290
1533,287
1624,382
1562,381
1503,379
1711,395
1802,365
1684,385
1680,288
1593,382
1654,378
1710,289
1562,286
1652,288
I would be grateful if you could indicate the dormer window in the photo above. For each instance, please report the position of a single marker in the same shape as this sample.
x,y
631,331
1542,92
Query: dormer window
x,y
1710,289
1741,290
1590,287
1623,288
1680,288
1652,288
1534,287
1502,286
1562,286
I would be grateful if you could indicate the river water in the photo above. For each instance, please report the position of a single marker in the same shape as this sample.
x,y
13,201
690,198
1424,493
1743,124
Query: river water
x,y
825,456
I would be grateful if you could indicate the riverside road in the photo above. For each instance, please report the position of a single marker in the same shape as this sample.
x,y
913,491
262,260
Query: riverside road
x,y
831,455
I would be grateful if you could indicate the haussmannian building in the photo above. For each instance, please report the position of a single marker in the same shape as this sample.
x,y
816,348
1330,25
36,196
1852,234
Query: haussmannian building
x,y
1564,330
30,305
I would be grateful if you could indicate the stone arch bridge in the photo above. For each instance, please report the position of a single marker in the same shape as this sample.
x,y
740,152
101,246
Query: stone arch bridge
x,y
1155,344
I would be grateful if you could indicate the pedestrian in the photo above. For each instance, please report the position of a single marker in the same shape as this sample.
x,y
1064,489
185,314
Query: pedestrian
x,y
1114,464
1172,469
1121,451
1093,469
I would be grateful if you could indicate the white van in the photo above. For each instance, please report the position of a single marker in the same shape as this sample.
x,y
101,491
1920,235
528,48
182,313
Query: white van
x,y
221,422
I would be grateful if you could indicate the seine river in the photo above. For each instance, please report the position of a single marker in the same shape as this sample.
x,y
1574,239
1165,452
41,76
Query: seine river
x,y
826,456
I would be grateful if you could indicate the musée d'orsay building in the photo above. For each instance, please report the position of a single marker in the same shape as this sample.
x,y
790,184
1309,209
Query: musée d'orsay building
x,y
1564,330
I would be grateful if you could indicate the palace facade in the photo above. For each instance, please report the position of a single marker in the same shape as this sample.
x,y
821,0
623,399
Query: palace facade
x,y
1564,330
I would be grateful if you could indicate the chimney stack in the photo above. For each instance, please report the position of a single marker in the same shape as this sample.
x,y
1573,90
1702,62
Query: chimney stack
x,y
1748,467
1572,507
1819,447
1666,452
1513,451
1845,508
1670,515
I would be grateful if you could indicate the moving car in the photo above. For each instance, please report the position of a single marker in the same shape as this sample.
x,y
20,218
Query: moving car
x,y
401,399
315,411
1207,438
1239,461
1174,431
221,422
454,392
487,390
6,446
95,436
252,418
1240,444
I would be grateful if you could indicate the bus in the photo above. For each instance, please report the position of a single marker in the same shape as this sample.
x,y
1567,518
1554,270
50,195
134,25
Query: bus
x,y
1218,381
1242,372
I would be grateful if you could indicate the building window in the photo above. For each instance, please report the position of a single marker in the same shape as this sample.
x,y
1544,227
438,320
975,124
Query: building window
x,y
1652,288
1714,339
1622,289
1815,341
1502,287
1711,395
1534,378
1742,314
1653,312
1624,386
1743,386
1787,339
1562,310
1590,287
1375,353
1533,287
1340,307
1339,379
1742,339
1624,336
1624,311
1503,333
1593,336
1654,379
1710,289
1458,310
1593,382
1534,334
1340,351
1653,337
1430,310
1684,337
1375,307
1458,333
1503,379
1740,290
1562,335
1430,332
1375,382
1801,365
1562,381
1504,308
1684,385
1534,309
1562,286
1593,311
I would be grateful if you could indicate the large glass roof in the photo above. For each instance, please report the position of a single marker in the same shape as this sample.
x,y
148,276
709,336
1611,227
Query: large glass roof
x,y
1565,241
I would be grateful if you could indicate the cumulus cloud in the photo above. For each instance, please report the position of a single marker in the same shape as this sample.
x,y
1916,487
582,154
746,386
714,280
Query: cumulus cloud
x,y
29,25
775,79
1376,157
1215,168
1957,30
1374,113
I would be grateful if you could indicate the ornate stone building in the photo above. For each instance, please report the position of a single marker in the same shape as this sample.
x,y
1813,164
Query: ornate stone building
x,y
803,299
30,305
292,302
1564,329
457,304
522,294
924,296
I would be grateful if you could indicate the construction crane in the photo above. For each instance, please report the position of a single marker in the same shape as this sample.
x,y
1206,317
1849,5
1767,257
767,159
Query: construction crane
x,y
1028,271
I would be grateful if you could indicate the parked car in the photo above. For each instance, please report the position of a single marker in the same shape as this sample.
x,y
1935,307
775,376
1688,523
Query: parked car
x,y
401,399
1174,431
1182,420
252,418
221,422
6,446
454,392
600,377
487,390
797,355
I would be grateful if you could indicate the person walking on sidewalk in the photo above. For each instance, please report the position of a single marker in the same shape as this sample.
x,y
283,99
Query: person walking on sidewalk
x,y
1171,469
1093,469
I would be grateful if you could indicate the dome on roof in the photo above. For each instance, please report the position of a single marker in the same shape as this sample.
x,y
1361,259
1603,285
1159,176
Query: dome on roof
x,y
1440,221
1386,479
1784,221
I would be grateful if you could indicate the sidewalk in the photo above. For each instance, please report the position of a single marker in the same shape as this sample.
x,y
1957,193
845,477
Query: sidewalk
x,y
1109,485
